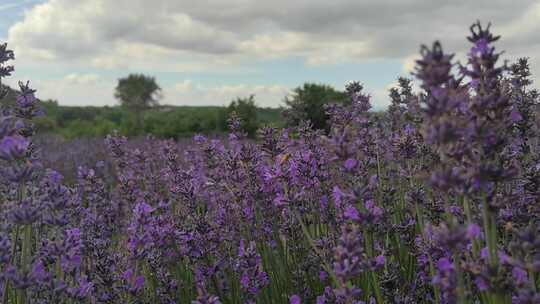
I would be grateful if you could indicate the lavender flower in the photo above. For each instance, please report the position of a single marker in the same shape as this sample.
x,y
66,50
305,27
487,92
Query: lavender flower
x,y
433,201
252,276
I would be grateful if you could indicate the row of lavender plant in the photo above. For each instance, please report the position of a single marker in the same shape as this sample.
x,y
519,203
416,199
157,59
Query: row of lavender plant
x,y
437,202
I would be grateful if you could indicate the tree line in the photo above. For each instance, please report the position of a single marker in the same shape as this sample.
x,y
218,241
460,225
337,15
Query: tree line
x,y
139,113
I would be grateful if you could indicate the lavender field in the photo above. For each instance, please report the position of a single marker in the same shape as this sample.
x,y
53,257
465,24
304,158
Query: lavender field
x,y
435,201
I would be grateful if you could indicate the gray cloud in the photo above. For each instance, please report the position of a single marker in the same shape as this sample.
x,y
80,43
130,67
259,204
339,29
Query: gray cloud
x,y
234,36
391,28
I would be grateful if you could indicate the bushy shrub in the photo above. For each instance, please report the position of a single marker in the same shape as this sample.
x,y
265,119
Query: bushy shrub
x,y
246,111
308,103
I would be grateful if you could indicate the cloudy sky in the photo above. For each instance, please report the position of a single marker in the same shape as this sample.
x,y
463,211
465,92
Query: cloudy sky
x,y
206,52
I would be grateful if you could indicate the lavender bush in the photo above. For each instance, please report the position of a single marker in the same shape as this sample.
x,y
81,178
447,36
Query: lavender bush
x,y
437,202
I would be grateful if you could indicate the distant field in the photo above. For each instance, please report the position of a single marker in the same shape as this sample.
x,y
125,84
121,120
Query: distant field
x,y
163,122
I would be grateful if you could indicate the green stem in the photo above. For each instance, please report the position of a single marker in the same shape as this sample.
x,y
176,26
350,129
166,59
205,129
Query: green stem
x,y
13,251
420,221
467,208
436,290
461,284
152,286
490,230
375,281
26,246
25,259
312,244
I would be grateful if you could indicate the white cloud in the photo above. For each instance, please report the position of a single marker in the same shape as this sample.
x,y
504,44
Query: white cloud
x,y
109,36
184,87
526,25
379,97
89,89
187,92
72,89
161,32
409,62
83,79
275,45
339,53
224,37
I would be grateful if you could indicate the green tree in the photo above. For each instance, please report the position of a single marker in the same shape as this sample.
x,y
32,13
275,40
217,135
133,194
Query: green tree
x,y
246,109
307,102
45,124
137,93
